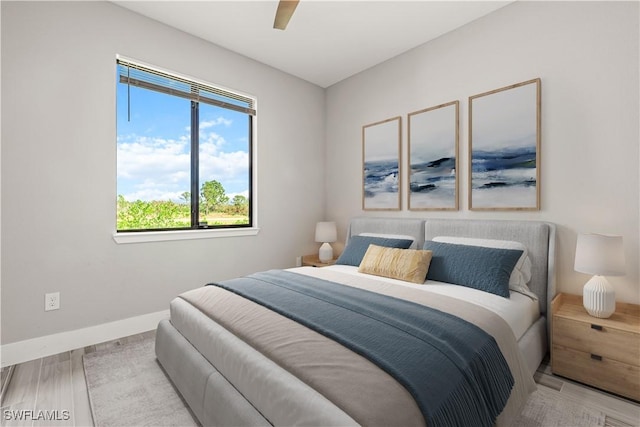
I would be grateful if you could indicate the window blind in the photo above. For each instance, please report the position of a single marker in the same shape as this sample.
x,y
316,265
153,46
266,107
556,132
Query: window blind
x,y
134,74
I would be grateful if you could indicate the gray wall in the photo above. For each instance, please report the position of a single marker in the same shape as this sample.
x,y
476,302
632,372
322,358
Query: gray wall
x,y
59,168
586,54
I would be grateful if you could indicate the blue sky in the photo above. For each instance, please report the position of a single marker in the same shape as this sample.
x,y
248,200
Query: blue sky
x,y
154,147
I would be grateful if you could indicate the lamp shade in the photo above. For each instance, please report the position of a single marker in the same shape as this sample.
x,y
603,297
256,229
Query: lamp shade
x,y
600,254
326,232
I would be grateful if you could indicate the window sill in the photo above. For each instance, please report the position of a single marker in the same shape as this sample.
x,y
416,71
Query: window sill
x,y
163,236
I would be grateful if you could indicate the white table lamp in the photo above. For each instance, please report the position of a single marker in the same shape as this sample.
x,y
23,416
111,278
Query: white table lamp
x,y
326,233
600,255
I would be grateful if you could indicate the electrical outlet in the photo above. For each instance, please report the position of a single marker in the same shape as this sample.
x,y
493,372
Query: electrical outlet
x,y
298,261
52,301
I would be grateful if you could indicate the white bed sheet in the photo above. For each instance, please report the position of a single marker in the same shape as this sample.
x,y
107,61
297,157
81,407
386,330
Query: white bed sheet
x,y
519,311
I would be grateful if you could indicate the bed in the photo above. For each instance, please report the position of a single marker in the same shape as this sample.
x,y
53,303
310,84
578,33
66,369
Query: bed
x,y
237,362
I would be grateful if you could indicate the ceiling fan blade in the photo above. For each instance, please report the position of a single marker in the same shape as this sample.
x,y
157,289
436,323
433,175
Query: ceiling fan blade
x,y
284,12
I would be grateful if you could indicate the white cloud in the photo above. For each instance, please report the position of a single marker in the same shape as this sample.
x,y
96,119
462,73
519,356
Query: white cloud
x,y
210,143
159,169
146,157
241,193
204,124
224,165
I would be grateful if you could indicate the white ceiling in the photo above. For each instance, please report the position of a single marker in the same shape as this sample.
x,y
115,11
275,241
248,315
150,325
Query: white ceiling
x,y
326,41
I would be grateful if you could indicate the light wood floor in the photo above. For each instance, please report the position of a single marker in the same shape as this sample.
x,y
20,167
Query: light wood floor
x,y
620,412
58,383
53,383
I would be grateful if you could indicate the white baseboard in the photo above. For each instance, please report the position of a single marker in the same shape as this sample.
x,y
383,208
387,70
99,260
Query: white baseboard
x,y
23,351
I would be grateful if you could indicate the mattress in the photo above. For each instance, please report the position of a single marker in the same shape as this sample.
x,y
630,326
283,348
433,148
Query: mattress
x,y
519,311
283,398
276,394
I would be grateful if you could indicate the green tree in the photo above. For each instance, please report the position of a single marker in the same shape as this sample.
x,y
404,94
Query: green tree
x,y
186,196
240,204
212,195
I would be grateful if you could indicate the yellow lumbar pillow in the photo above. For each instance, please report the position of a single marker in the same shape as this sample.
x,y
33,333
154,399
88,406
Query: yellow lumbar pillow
x,y
410,265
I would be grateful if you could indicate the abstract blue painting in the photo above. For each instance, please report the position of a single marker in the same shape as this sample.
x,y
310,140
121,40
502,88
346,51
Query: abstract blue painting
x,y
381,175
504,148
433,158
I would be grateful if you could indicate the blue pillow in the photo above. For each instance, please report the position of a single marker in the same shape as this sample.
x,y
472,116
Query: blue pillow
x,y
358,245
486,269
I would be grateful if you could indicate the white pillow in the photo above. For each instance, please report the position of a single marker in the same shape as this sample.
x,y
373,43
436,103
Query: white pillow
x,y
521,274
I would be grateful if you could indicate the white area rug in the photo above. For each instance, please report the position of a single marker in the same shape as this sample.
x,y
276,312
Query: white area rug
x,y
547,407
127,387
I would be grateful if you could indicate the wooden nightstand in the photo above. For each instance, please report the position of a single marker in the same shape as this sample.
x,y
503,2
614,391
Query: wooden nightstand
x,y
604,353
314,261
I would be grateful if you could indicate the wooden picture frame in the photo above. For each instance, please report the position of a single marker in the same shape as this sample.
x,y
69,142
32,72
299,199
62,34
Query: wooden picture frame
x,y
433,139
504,148
381,165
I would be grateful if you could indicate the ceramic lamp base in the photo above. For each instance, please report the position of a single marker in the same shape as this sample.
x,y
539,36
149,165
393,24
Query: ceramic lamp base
x,y
599,298
326,253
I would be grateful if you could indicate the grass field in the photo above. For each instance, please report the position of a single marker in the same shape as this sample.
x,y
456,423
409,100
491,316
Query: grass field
x,y
217,218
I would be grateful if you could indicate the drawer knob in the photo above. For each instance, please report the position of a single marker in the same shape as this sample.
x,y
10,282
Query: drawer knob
x,y
596,357
596,327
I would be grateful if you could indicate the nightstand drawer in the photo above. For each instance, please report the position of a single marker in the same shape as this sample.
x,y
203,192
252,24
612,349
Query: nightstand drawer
x,y
594,338
597,370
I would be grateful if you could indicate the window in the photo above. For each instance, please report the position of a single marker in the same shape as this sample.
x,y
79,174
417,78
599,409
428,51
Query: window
x,y
184,153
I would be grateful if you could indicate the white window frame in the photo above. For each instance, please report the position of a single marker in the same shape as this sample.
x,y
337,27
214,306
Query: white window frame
x,y
126,237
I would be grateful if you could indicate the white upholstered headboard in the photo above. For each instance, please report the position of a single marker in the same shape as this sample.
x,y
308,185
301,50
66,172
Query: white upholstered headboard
x,y
539,238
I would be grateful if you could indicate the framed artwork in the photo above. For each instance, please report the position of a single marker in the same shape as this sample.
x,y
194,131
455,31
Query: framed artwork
x,y
381,165
504,148
433,158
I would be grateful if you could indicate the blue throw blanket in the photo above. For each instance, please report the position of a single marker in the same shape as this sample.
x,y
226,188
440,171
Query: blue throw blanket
x,y
453,369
